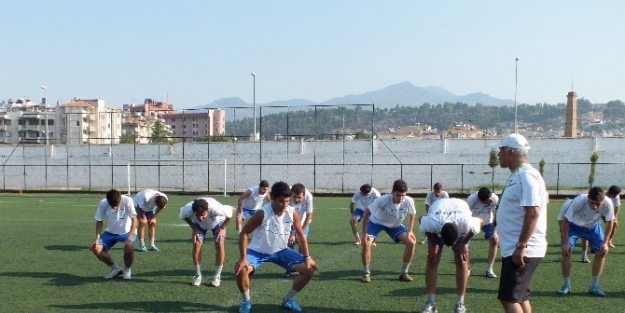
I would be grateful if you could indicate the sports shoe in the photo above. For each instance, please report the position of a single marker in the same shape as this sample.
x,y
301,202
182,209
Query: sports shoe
x,y
287,274
595,290
357,242
566,289
127,274
197,280
490,274
366,278
154,248
405,277
245,307
216,281
429,308
459,308
113,273
585,259
143,249
611,245
374,243
291,305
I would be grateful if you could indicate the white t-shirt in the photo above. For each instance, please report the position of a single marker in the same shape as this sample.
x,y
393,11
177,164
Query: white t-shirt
x,y
254,201
362,201
450,211
524,188
305,207
145,199
272,235
482,210
217,213
565,207
386,213
616,201
431,197
120,220
582,215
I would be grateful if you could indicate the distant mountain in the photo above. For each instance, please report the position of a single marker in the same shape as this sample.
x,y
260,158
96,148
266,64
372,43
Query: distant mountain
x,y
404,94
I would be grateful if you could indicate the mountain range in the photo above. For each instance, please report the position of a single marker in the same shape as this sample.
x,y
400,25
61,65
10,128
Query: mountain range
x,y
403,94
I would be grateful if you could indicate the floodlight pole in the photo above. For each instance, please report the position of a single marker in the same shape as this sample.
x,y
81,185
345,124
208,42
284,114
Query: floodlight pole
x,y
254,101
516,62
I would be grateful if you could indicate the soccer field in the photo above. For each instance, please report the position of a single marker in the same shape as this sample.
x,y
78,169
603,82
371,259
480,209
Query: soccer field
x,y
46,266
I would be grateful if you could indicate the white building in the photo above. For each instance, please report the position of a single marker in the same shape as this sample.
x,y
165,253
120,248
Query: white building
x,y
23,121
88,122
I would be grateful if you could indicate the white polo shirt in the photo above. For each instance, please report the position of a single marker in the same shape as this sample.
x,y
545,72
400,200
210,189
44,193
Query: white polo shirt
x,y
386,213
482,210
582,215
145,199
120,220
446,211
362,201
217,213
431,197
305,207
255,200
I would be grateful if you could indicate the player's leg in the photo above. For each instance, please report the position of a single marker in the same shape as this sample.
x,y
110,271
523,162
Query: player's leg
x,y
565,262
294,261
493,241
431,271
196,256
401,234
353,221
220,256
614,227
142,221
595,240
129,254
254,260
585,258
365,250
462,276
239,221
100,250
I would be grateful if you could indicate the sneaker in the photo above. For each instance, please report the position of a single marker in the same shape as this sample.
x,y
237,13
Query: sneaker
x,y
216,281
405,277
143,249
429,308
595,290
113,273
490,274
291,305
197,280
155,249
566,289
585,259
127,274
287,274
357,242
374,243
245,307
611,245
459,308
422,242
366,278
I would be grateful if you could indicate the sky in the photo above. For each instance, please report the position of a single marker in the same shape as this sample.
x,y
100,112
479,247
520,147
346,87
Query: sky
x,y
191,53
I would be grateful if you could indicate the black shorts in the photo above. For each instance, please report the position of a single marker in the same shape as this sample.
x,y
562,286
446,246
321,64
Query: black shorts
x,y
514,285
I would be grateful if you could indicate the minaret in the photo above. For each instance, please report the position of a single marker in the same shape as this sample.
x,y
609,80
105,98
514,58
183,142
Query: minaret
x,y
570,125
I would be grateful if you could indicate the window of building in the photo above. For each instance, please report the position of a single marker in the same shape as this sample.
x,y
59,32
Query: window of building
x,y
77,124
7,123
8,134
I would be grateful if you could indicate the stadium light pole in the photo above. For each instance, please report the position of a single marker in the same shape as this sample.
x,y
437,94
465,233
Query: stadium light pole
x,y
516,62
45,112
254,101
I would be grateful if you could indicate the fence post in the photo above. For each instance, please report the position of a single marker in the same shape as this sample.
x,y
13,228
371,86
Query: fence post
x,y
558,180
461,178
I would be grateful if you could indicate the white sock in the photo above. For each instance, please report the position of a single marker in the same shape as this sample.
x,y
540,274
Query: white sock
x,y
198,270
404,267
567,280
367,271
151,242
246,296
584,253
218,270
460,299
357,235
431,298
114,266
142,242
594,281
290,295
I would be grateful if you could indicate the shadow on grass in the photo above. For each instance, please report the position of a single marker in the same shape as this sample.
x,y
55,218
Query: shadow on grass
x,y
67,248
57,279
147,306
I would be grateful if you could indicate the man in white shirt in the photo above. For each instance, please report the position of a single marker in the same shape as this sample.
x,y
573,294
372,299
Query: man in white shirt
x,y
120,212
387,213
436,193
302,202
272,226
583,220
149,204
449,222
614,193
483,204
202,215
521,223
250,201
361,199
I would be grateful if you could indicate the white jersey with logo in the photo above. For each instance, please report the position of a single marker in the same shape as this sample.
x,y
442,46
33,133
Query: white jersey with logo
x,y
217,213
431,197
386,213
145,199
362,201
616,201
305,207
565,207
255,200
482,210
119,220
582,215
272,235
524,188
446,211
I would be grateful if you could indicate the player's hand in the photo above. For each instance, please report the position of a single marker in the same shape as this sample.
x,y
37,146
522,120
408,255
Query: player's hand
x,y
94,244
433,251
310,263
128,242
291,240
495,238
463,251
240,265
518,257
412,236
221,235
566,249
195,237
604,248
152,221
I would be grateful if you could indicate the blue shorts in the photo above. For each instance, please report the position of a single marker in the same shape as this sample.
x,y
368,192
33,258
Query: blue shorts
x,y
247,213
358,213
108,240
374,229
140,213
488,231
441,245
214,230
286,258
594,235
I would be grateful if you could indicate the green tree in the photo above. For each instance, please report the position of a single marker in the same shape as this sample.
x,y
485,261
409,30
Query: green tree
x,y
217,138
593,163
160,133
362,135
493,161
128,139
541,167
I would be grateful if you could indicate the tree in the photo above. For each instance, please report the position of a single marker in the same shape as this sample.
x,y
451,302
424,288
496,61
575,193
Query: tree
x,y
160,133
593,163
541,167
362,135
217,138
493,161
128,139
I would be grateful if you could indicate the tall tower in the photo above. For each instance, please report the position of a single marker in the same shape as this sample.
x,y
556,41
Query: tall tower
x,y
570,125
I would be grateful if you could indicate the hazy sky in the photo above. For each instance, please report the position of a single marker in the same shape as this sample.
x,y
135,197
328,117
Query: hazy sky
x,y
194,52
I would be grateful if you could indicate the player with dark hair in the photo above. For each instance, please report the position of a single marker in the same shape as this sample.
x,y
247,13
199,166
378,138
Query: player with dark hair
x,y
483,204
250,201
361,199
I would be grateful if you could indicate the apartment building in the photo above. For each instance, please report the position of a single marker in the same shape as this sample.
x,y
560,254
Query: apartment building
x,y
88,122
193,124
24,121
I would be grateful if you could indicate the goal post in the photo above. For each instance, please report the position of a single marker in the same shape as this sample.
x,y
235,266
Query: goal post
x,y
177,174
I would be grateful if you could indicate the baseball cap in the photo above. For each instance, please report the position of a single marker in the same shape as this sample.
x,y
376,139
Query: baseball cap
x,y
513,141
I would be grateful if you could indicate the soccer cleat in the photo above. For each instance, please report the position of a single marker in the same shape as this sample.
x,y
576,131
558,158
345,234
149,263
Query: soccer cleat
x,y
291,305
490,274
373,243
113,273
585,259
566,289
357,242
611,245
127,274
405,277
366,278
155,249
459,308
143,249
197,280
595,290
287,274
216,281
429,308
245,307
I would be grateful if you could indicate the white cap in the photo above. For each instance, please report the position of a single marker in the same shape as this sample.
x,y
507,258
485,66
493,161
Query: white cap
x,y
513,141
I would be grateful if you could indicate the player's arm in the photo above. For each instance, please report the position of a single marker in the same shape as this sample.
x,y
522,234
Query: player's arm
x,y
302,241
530,219
365,221
98,230
351,208
411,220
248,228
133,229
242,197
